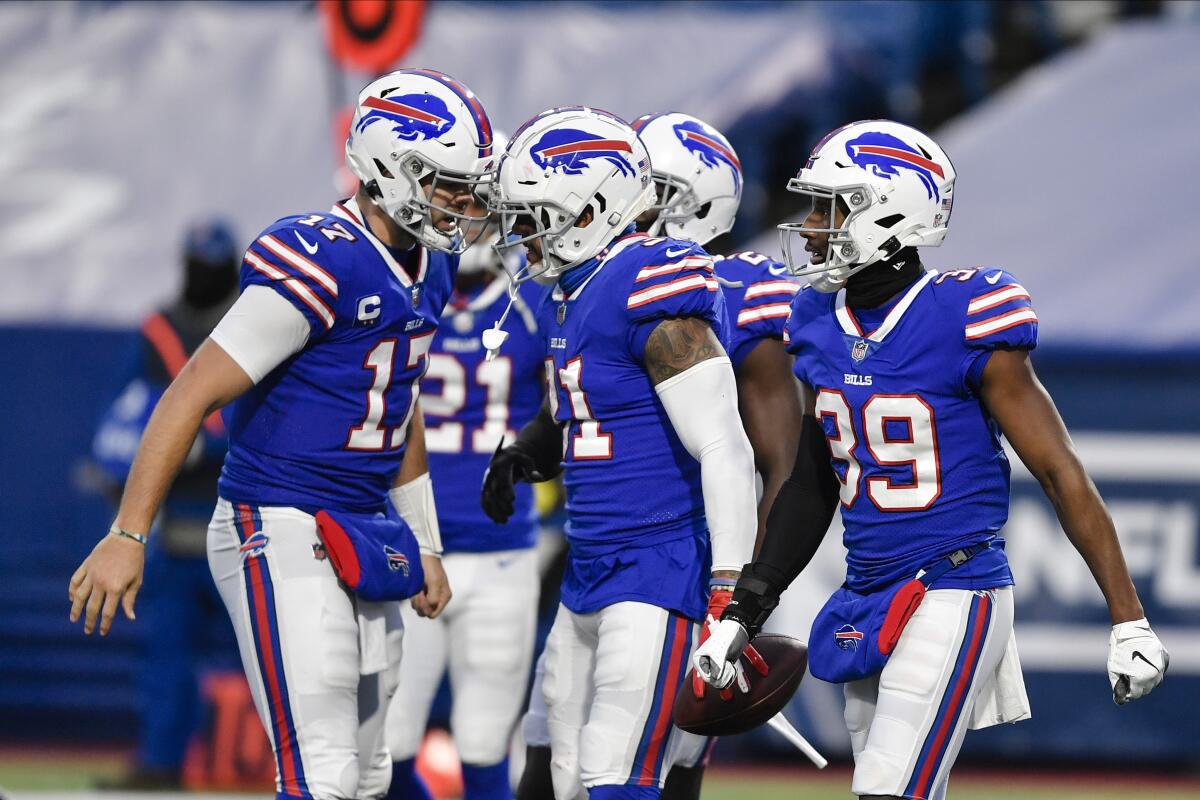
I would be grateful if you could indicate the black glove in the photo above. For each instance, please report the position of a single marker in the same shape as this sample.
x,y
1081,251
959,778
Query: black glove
x,y
508,465
535,456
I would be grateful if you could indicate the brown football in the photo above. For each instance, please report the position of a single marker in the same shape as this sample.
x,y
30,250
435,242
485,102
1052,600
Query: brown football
x,y
786,658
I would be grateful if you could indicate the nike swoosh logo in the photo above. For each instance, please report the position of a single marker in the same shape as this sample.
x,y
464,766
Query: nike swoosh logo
x,y
311,249
995,276
672,253
1138,654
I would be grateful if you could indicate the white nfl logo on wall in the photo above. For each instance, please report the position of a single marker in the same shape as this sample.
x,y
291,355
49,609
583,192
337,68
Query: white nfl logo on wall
x,y
859,351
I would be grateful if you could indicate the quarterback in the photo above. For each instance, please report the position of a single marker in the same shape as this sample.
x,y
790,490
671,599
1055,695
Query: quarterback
x,y
322,352
911,376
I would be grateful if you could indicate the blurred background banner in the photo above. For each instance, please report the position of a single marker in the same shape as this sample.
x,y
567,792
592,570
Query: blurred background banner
x,y
1072,126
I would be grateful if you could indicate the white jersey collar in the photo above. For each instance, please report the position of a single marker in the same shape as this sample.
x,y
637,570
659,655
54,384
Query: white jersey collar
x,y
349,211
850,326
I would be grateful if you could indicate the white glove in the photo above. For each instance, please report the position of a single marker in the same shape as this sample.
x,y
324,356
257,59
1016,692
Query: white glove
x,y
716,661
1137,660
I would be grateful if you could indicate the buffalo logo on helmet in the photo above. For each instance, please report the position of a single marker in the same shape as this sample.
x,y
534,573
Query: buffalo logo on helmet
x,y
885,155
709,148
414,117
847,637
396,561
569,151
253,546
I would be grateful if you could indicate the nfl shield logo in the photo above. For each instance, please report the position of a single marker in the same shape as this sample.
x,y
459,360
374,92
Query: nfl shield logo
x,y
416,293
859,351
562,313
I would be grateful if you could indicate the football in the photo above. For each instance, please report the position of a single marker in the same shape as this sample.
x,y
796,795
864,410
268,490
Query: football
x,y
786,658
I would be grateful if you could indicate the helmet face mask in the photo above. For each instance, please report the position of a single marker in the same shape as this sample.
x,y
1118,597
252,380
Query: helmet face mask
x,y
842,257
419,141
893,187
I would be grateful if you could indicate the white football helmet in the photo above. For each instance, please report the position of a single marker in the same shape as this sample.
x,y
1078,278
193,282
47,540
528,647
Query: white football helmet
x,y
895,187
560,164
697,176
415,130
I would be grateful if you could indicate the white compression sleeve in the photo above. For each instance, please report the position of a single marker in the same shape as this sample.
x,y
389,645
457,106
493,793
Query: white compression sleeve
x,y
701,403
261,331
413,501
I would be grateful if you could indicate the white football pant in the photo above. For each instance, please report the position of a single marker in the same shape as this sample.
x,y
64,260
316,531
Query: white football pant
x,y
321,664
609,687
907,723
486,636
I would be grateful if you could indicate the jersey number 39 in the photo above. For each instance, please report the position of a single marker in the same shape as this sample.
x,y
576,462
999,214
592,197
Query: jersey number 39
x,y
898,431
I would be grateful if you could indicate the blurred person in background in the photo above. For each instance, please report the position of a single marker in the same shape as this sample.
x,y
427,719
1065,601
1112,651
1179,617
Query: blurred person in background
x,y
486,636
698,181
326,515
910,377
182,609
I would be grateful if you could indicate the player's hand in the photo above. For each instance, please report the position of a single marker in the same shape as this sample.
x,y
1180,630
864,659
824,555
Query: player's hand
x,y
110,576
432,600
1137,661
508,465
717,661
717,600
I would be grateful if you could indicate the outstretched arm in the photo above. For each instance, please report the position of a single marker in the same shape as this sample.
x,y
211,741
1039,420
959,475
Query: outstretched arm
x,y
1137,661
770,408
112,573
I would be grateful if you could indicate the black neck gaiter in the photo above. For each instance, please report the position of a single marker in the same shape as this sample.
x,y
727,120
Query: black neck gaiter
x,y
879,282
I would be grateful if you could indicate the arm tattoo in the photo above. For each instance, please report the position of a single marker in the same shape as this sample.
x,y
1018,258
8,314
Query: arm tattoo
x,y
677,344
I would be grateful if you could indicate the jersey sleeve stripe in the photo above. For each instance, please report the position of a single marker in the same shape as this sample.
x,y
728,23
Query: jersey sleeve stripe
x,y
674,287
772,311
763,288
1001,323
691,262
294,285
300,262
996,298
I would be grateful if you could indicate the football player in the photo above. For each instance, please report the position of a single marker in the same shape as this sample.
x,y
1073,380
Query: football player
x,y
486,636
911,376
698,181
322,352
642,420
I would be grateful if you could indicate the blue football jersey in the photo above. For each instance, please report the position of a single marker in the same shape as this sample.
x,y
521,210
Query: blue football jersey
x,y
922,469
635,509
470,403
758,306
326,428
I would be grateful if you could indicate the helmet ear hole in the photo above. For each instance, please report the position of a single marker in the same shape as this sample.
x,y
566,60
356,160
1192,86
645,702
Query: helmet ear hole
x,y
384,171
702,212
889,221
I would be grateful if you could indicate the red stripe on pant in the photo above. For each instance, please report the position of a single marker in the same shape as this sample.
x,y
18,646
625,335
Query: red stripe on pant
x,y
258,607
662,724
958,695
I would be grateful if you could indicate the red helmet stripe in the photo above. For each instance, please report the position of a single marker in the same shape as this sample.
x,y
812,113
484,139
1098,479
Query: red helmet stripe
x,y
383,104
903,155
585,146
